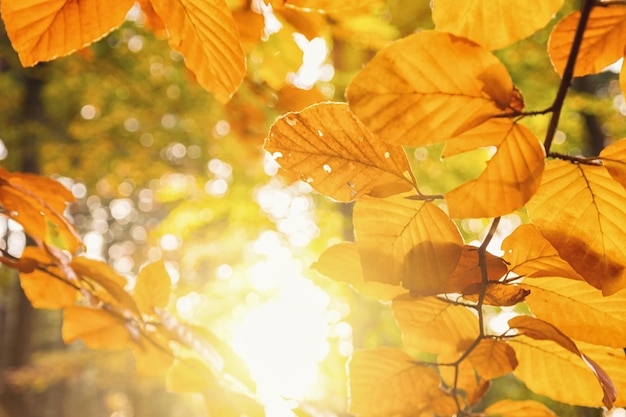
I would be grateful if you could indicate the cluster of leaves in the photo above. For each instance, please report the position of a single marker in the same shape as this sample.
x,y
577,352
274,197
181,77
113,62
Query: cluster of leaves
x,y
445,87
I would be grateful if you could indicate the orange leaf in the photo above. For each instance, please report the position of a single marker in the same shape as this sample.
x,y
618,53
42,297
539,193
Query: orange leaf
x,y
336,154
586,223
498,293
614,160
189,375
468,271
153,287
510,408
42,289
41,30
429,87
603,41
98,329
328,5
205,32
493,358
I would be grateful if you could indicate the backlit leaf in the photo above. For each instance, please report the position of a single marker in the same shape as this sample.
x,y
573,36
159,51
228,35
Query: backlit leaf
x,y
497,294
414,241
579,310
336,154
511,408
342,262
468,273
281,56
512,175
431,325
152,357
98,329
466,379
41,30
429,87
387,382
614,160
529,254
205,32
493,358
328,5
153,287
189,375
579,209
42,289
493,23
603,41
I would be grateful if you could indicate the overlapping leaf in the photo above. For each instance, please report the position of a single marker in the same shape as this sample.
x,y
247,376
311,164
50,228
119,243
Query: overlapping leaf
x,y
434,326
414,242
512,175
41,30
510,408
468,273
493,23
153,287
326,5
189,375
98,329
429,87
205,32
493,358
614,160
603,41
580,210
334,152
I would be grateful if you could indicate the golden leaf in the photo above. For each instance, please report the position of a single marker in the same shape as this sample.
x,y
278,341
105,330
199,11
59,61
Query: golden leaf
x,y
493,23
614,160
307,22
431,325
189,375
205,32
603,41
512,175
41,30
153,287
493,358
281,56
328,5
429,87
466,379
579,209
578,310
529,254
250,26
336,154
42,289
98,329
468,273
497,293
153,357
412,242
526,408
342,262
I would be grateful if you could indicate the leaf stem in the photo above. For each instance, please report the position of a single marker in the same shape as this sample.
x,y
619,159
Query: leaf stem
x,y
568,73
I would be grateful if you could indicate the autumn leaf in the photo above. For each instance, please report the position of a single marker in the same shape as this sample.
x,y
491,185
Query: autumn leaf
x,y
189,375
431,325
205,32
512,175
493,358
342,262
324,5
281,56
468,273
493,23
153,287
152,355
529,254
98,329
42,30
578,310
579,210
429,87
335,153
603,41
497,293
414,242
614,160
526,408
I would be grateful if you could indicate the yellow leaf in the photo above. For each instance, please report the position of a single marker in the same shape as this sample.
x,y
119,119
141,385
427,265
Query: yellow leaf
x,y
189,375
41,30
205,32
329,5
429,87
336,154
493,358
42,289
387,382
512,175
579,310
493,23
412,242
151,359
153,287
579,209
98,329
342,262
468,273
281,56
529,254
510,408
430,325
603,41
614,160
497,293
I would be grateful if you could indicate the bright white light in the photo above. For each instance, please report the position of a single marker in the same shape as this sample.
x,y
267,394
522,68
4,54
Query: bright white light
x,y
313,68
88,112
170,242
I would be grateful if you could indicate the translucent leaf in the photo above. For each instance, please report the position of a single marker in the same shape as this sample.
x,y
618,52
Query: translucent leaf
x,y
497,294
98,329
529,254
493,358
468,273
335,153
42,289
614,160
414,242
603,40
205,32
512,175
387,382
153,287
586,223
466,379
189,375
579,310
281,56
41,30
342,262
153,357
526,408
328,5
429,87
431,325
